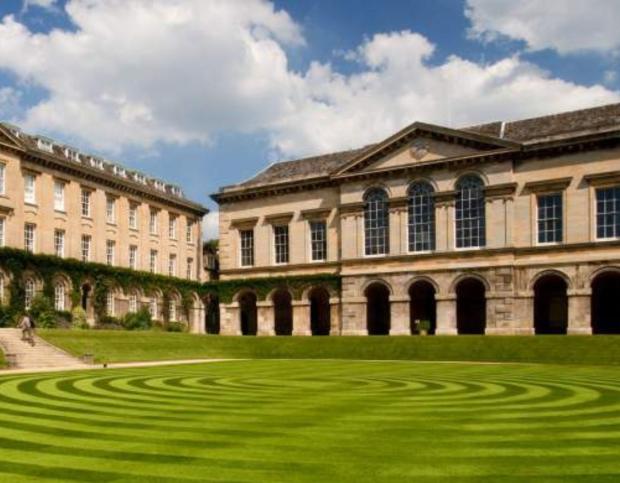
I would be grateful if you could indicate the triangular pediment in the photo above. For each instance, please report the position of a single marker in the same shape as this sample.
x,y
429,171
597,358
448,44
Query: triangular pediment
x,y
7,138
422,143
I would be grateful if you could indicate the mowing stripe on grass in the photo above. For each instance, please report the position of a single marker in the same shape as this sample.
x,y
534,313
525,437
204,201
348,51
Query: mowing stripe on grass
x,y
308,421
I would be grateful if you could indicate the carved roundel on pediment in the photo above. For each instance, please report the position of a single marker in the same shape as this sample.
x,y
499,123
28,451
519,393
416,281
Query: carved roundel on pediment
x,y
419,148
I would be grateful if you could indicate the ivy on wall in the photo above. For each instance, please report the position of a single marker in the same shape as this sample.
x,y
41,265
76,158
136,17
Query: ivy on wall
x,y
102,278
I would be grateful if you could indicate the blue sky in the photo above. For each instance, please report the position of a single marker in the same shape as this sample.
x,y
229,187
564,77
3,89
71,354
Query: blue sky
x,y
205,93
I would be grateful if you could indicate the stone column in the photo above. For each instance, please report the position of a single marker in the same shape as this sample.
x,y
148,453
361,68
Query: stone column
x,y
354,316
524,313
335,315
230,319
265,318
446,314
579,316
301,317
399,315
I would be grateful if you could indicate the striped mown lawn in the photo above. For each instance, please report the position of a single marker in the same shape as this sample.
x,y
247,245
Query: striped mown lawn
x,y
313,421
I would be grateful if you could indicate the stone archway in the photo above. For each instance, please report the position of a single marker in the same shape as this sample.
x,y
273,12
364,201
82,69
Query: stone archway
x,y
283,312
320,311
422,305
471,306
212,314
377,309
550,305
247,313
606,303
86,300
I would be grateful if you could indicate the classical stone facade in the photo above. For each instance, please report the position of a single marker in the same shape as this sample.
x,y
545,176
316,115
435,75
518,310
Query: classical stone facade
x,y
502,228
56,200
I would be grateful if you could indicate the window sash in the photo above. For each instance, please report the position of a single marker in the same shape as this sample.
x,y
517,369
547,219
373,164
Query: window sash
x,y
2,179
172,265
59,243
608,213
86,247
59,196
153,261
133,257
2,231
29,292
153,222
59,297
172,228
470,216
30,189
190,233
190,268
29,237
281,244
421,219
376,225
133,216
318,240
550,218
110,249
86,203
247,247
110,210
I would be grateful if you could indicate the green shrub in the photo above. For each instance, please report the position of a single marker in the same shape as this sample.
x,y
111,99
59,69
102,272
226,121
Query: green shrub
x,y
78,318
140,320
424,326
176,327
43,313
109,323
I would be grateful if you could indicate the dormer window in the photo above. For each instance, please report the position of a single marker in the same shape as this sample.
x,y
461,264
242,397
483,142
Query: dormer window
x,y
119,171
72,155
45,145
96,163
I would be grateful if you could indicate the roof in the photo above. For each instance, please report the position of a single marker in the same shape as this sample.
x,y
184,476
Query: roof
x,y
525,131
43,146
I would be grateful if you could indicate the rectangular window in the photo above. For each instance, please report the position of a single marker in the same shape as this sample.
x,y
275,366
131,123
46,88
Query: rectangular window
x,y
318,240
86,202
109,304
133,257
280,238
190,268
59,297
247,247
29,237
86,245
550,216
133,216
153,308
153,222
59,243
110,252
133,303
189,235
172,265
30,188
110,209
153,261
2,179
608,213
59,196
172,227
2,231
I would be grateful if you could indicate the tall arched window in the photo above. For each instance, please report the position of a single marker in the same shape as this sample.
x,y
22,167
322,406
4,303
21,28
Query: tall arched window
x,y
28,293
59,296
421,217
376,222
470,219
110,304
133,302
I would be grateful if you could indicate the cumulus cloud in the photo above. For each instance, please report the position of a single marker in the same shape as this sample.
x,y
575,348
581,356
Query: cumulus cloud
x,y
48,4
210,225
566,26
138,72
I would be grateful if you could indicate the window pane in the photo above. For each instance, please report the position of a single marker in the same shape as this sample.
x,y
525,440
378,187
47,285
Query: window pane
x,y
376,222
470,217
421,218
608,212
247,247
550,216
318,240
281,243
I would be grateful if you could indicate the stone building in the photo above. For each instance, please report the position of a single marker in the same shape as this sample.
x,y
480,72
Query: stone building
x,y
501,228
56,200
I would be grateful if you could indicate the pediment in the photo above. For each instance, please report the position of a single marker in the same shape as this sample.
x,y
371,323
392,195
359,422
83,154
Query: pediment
x,y
8,139
421,143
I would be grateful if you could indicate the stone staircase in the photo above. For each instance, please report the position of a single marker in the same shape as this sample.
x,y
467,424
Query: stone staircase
x,y
21,355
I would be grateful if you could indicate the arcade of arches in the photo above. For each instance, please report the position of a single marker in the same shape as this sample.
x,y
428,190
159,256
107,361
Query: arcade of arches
x,y
535,301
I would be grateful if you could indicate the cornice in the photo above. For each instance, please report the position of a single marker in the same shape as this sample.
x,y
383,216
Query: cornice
x,y
284,269
102,178
599,179
279,218
316,213
557,184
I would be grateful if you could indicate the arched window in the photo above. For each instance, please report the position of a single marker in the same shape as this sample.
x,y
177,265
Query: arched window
x,y
153,308
133,302
470,219
376,222
59,296
172,310
109,304
421,217
28,293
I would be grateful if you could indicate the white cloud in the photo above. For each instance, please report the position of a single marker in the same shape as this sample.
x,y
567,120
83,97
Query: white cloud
x,y
48,4
9,102
563,25
210,225
138,72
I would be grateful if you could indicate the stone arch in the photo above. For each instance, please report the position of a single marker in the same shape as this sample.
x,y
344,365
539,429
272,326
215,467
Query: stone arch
x,y
605,309
247,300
197,314
61,286
282,300
470,305
422,304
212,313
376,185
551,303
372,281
470,172
550,272
320,310
155,303
113,294
175,309
462,276
33,286
134,299
377,295
422,179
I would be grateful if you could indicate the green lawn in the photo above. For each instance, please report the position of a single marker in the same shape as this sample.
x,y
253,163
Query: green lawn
x,y
313,421
120,346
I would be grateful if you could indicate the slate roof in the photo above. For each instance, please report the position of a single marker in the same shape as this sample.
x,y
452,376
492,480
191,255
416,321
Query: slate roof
x,y
525,131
